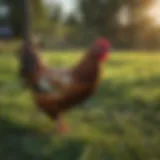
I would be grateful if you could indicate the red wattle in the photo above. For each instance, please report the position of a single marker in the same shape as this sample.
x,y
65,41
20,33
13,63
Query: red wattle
x,y
104,57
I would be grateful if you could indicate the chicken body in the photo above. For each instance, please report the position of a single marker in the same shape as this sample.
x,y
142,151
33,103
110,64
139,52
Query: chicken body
x,y
57,90
70,87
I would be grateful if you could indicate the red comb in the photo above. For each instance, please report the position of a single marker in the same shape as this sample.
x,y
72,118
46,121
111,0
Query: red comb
x,y
102,41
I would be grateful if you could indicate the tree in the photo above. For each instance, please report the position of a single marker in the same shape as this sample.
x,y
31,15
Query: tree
x,y
138,21
101,16
17,14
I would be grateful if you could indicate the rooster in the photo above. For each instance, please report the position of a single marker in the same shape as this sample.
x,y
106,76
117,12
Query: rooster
x,y
55,91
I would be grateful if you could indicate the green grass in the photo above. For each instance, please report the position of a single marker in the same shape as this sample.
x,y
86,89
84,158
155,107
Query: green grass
x,y
120,122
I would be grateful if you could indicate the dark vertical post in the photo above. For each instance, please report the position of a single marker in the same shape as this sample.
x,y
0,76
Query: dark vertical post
x,y
27,22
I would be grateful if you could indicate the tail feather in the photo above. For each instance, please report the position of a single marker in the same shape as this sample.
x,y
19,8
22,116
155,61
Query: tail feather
x,y
29,62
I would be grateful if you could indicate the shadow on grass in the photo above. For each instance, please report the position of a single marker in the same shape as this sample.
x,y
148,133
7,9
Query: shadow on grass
x,y
18,142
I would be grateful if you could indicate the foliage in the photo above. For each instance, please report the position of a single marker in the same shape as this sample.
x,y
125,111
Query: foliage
x,y
39,15
17,7
140,23
101,15
121,122
90,19
37,11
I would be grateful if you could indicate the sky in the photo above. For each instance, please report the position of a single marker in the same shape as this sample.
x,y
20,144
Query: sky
x,y
68,5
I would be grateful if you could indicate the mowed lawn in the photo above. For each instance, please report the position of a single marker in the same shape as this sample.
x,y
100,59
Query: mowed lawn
x,y
120,122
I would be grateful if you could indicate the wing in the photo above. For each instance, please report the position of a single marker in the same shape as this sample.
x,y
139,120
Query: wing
x,y
60,78
55,79
65,98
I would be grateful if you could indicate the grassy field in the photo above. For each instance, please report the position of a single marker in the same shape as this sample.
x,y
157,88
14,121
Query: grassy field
x,y
120,122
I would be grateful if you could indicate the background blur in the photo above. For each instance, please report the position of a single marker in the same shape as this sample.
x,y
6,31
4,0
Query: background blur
x,y
122,121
